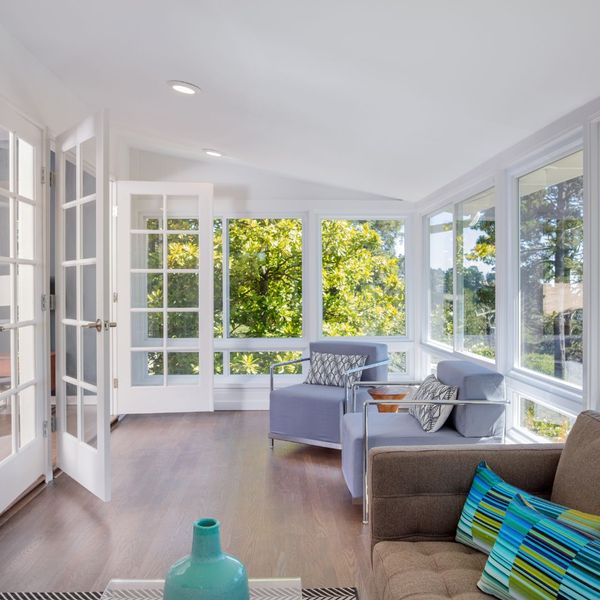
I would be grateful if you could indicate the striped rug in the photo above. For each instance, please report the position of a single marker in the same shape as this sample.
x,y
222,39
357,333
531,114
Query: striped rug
x,y
346,593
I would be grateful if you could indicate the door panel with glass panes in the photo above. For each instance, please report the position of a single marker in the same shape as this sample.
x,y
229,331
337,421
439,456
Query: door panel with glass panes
x,y
23,372
165,302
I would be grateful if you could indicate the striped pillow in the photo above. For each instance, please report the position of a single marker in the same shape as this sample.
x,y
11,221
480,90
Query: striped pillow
x,y
486,504
536,556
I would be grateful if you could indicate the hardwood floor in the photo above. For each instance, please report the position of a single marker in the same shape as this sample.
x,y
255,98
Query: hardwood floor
x,y
284,512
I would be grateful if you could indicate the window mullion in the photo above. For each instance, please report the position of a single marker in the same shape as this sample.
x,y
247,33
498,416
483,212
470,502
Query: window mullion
x,y
225,283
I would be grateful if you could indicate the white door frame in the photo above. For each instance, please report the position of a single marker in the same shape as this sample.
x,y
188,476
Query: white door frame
x,y
165,393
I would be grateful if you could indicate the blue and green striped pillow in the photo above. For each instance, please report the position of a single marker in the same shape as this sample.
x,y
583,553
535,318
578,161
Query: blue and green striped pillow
x,y
536,556
486,504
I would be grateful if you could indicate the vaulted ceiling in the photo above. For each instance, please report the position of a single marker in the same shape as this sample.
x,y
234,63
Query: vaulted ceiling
x,y
393,97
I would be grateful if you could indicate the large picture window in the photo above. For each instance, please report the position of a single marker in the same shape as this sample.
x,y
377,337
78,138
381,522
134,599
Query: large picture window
x,y
363,283
476,275
257,292
441,274
551,269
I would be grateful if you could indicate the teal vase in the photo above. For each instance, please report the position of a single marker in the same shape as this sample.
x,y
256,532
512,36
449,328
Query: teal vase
x,y
207,573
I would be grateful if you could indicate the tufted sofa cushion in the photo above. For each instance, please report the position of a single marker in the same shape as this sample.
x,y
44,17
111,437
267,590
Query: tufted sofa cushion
x,y
427,571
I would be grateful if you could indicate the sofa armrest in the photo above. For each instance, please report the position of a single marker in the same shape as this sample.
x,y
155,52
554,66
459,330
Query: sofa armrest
x,y
417,493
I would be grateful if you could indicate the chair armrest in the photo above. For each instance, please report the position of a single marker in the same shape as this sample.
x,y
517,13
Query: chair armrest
x,y
349,372
283,364
417,493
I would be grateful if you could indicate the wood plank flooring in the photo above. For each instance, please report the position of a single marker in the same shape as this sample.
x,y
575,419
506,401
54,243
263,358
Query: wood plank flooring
x,y
284,512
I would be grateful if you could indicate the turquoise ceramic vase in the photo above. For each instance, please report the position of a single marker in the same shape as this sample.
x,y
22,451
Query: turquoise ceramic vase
x,y
207,573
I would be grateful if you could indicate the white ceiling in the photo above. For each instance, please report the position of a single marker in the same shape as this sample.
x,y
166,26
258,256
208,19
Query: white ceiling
x,y
393,97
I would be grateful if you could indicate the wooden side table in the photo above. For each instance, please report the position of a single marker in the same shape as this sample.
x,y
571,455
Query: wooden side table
x,y
399,392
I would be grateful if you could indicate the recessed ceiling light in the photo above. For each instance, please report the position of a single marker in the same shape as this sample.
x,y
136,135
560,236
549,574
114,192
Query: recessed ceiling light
x,y
183,87
212,152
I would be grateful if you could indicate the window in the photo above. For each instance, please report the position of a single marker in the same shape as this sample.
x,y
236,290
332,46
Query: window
x,y
265,278
543,421
398,363
476,275
363,284
462,253
551,269
257,292
441,273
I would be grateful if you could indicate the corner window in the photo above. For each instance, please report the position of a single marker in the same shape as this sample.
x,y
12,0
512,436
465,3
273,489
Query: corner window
x,y
476,275
551,269
441,275
462,276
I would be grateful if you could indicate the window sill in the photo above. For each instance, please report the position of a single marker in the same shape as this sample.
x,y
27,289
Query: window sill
x,y
255,381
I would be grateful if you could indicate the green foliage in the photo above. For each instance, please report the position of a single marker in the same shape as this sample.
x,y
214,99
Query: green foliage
x,y
363,285
551,253
265,278
540,363
258,363
555,428
363,278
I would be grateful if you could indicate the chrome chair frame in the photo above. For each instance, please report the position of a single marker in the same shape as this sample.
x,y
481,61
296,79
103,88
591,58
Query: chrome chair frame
x,y
347,386
404,403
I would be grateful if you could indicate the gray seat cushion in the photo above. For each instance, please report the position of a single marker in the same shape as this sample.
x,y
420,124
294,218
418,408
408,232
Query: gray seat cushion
x,y
373,351
311,412
427,571
389,429
474,382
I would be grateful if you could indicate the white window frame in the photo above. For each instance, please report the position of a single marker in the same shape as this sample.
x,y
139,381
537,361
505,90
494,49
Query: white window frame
x,y
398,343
312,300
455,351
225,344
563,394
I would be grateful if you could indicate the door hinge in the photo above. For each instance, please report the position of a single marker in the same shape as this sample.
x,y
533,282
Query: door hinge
x,y
115,382
115,211
47,175
45,429
115,296
48,302
53,423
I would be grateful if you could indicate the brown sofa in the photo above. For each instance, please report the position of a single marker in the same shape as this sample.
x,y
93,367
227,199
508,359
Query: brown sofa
x,y
417,495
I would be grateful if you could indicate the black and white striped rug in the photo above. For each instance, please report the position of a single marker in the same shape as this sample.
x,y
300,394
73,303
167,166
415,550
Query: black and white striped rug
x,y
346,593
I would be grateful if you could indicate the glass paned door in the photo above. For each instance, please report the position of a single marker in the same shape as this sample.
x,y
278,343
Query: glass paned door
x,y
83,392
165,297
23,376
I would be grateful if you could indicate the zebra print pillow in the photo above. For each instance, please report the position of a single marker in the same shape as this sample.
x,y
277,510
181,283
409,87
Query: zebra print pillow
x,y
433,416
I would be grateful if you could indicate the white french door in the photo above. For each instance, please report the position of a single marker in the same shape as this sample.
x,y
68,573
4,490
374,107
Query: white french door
x,y
83,367
165,297
23,341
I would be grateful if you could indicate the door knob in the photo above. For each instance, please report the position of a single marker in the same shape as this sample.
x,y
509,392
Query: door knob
x,y
97,325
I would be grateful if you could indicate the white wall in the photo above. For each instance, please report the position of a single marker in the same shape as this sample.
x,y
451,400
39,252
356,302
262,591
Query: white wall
x,y
239,188
34,90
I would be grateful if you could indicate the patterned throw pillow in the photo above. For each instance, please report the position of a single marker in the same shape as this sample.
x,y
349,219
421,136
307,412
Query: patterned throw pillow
x,y
484,510
432,416
536,556
329,369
